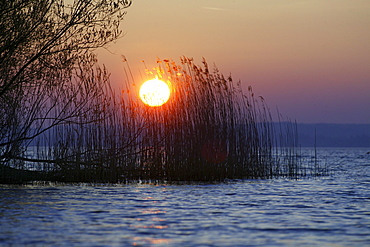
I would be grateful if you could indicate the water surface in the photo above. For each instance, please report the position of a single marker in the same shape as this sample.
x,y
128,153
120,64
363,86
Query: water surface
x,y
327,211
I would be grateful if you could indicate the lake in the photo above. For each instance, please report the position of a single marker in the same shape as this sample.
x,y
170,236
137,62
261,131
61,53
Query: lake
x,y
332,210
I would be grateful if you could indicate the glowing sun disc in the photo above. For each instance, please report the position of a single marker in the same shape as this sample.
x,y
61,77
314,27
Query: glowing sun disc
x,y
154,92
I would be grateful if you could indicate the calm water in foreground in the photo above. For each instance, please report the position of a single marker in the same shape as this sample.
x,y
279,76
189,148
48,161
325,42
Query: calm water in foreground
x,y
327,211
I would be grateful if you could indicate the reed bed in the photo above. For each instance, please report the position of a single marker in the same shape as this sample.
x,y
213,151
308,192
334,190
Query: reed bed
x,y
209,130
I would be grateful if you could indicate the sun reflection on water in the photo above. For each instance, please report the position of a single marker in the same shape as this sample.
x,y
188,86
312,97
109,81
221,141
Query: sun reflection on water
x,y
138,241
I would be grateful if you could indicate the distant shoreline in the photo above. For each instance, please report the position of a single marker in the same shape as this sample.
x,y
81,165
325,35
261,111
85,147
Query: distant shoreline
x,y
334,135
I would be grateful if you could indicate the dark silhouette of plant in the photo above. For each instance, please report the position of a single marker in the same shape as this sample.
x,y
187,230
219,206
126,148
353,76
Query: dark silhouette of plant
x,y
46,66
210,130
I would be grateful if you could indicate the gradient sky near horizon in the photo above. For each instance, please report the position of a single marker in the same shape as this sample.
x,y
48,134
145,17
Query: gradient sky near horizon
x,y
308,58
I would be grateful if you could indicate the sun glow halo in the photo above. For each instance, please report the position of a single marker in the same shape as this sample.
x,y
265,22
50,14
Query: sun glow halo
x,y
154,92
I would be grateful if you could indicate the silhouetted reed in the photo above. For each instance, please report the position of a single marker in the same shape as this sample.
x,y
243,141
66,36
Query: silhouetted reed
x,y
209,130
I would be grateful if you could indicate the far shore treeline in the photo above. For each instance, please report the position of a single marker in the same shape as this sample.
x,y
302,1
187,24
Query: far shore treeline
x,y
60,119
310,135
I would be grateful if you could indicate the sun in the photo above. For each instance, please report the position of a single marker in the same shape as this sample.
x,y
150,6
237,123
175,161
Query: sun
x,y
154,92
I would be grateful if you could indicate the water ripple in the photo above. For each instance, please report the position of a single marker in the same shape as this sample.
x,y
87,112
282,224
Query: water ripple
x,y
311,212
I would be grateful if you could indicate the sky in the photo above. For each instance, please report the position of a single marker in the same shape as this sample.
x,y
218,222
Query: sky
x,y
308,58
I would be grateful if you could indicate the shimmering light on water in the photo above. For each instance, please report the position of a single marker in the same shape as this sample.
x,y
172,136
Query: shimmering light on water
x,y
327,211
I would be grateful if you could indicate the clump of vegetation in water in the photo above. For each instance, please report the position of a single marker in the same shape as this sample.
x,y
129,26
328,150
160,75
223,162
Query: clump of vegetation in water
x,y
209,130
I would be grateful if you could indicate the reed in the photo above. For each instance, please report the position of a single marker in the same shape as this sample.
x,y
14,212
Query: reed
x,y
209,130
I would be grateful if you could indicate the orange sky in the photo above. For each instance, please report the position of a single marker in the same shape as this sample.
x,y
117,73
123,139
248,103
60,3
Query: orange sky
x,y
309,58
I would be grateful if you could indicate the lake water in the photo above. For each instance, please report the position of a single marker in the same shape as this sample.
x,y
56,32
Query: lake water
x,y
329,211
